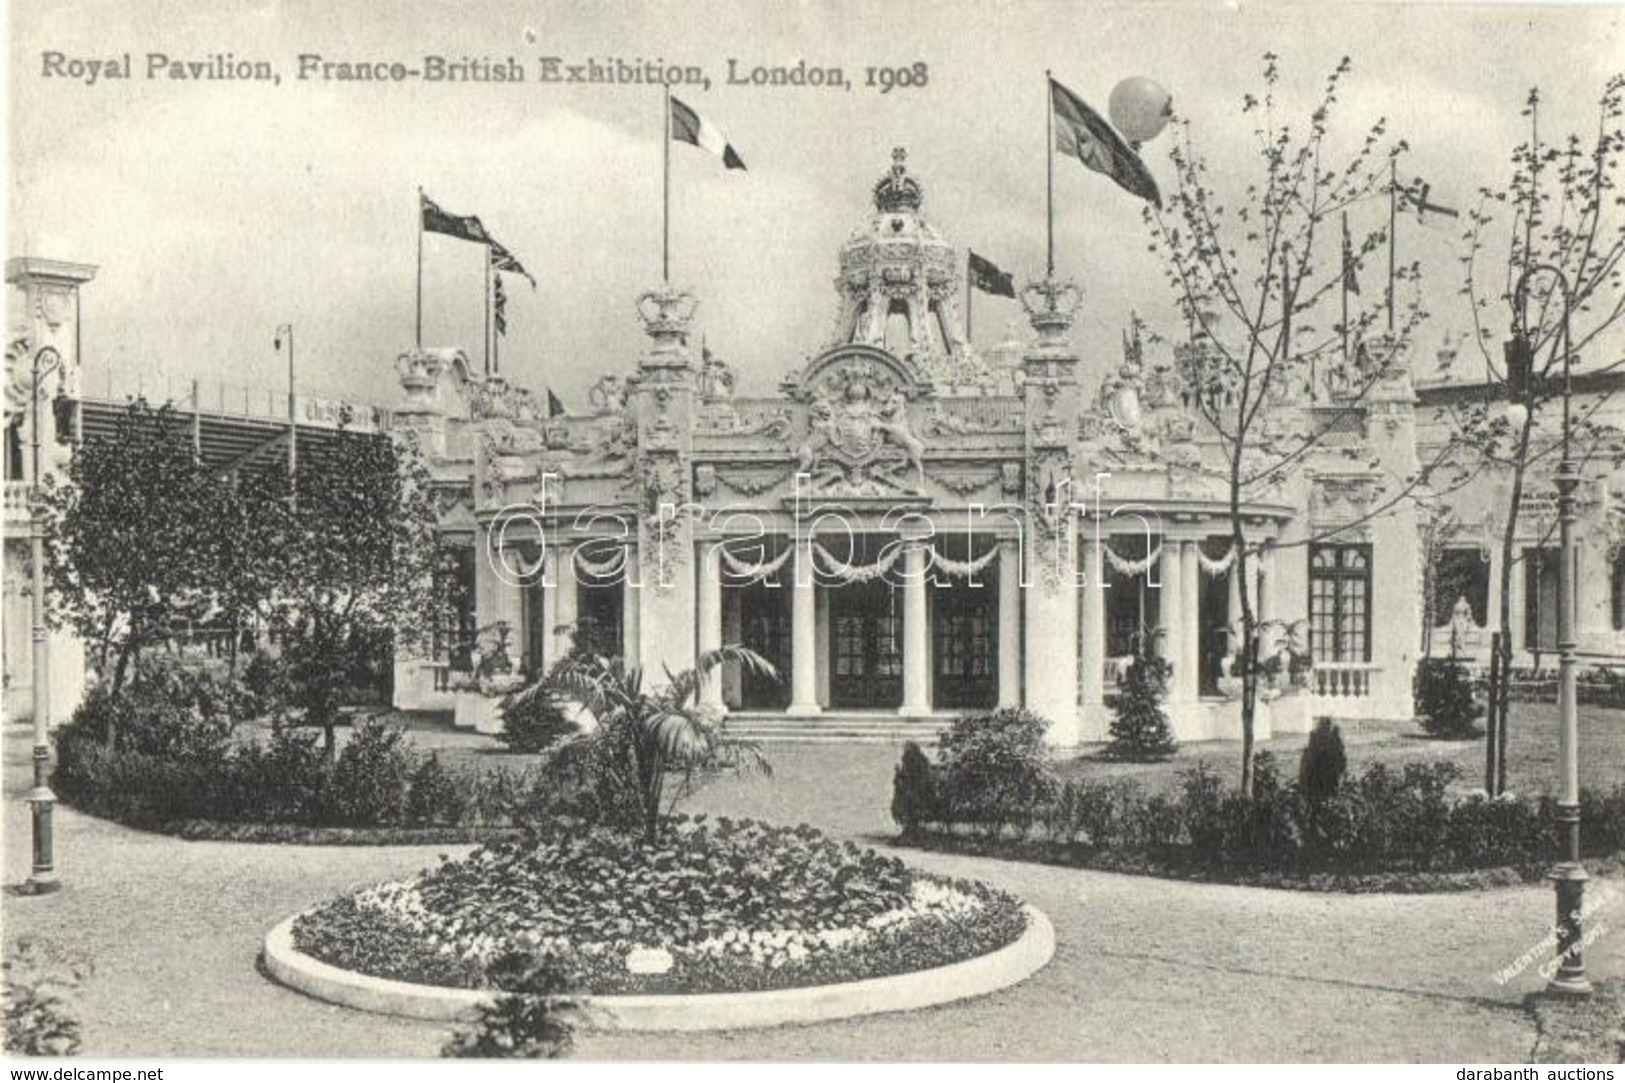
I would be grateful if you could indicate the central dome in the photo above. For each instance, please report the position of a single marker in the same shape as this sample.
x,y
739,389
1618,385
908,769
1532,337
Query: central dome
x,y
898,283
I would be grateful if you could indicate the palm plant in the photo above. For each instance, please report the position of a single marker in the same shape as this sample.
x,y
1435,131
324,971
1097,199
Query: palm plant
x,y
644,736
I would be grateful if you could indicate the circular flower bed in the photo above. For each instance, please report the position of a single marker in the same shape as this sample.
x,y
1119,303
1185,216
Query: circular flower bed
x,y
729,906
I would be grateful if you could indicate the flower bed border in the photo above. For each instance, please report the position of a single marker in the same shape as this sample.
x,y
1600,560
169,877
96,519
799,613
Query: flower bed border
x,y
983,974
1327,882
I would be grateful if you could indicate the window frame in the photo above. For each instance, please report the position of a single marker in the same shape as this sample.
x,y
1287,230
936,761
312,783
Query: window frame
x,y
1337,574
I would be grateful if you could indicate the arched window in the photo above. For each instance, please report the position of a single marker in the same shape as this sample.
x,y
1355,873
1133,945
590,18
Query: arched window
x,y
1340,603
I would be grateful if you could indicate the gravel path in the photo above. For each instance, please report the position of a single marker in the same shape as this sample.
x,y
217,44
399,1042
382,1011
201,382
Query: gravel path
x,y
1144,969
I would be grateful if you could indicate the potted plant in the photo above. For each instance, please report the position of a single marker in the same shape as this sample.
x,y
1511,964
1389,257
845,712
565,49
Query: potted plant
x,y
1286,669
478,696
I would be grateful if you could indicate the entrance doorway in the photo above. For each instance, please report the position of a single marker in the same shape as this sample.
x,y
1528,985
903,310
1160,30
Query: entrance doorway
x,y
764,627
866,640
965,642
600,611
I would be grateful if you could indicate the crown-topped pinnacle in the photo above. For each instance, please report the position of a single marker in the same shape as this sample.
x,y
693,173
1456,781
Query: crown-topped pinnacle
x,y
897,191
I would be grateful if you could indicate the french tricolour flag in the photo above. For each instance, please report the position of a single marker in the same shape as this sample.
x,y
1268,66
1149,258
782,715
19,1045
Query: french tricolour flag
x,y
687,126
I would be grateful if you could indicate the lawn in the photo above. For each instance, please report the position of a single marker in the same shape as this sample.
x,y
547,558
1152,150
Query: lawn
x,y
1531,745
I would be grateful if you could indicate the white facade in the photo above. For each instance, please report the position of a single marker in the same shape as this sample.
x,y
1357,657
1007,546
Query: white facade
x,y
909,529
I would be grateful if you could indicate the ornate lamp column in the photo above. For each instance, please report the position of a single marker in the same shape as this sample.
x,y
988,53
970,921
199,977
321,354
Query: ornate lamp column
x,y
1052,401
1569,877
41,800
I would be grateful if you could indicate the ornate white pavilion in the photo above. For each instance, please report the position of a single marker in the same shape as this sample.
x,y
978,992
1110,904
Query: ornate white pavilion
x,y
909,529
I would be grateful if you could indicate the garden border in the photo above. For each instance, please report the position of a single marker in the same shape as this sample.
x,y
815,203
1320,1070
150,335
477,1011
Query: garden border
x,y
978,976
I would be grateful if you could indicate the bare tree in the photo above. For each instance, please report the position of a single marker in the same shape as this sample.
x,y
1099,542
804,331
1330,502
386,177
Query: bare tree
x,y
1559,221
1254,285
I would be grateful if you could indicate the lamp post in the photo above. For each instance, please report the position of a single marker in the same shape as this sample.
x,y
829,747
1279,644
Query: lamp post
x,y
293,417
1569,875
40,799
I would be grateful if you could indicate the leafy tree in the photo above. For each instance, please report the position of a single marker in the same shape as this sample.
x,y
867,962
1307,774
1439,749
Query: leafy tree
x,y
1252,279
1560,214
644,735
359,568
126,570
245,534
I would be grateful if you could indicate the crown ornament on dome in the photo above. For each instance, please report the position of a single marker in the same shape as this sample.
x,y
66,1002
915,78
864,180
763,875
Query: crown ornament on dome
x,y
897,191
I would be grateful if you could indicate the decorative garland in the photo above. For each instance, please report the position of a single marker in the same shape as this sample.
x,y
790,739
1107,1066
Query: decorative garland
x,y
1216,567
754,571
854,573
1123,566
966,568
601,569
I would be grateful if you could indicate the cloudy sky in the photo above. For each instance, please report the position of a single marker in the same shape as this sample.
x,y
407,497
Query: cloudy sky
x,y
217,210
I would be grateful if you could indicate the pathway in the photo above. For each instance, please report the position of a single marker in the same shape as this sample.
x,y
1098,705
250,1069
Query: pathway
x,y
1144,969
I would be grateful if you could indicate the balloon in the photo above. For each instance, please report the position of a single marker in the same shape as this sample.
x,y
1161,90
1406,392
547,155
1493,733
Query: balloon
x,y
1139,108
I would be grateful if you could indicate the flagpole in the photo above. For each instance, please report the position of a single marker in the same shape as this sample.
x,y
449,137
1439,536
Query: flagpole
x,y
1049,168
488,369
1393,225
665,214
420,269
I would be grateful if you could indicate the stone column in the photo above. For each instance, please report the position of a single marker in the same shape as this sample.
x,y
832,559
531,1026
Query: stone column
x,y
1092,642
1189,682
916,635
1492,606
1516,611
1050,618
1232,604
633,592
1009,623
803,632
1265,596
550,607
564,599
1170,621
708,605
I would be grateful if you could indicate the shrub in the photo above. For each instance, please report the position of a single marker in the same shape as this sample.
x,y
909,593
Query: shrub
x,y
1446,699
372,776
914,791
1140,729
286,780
994,769
38,981
1323,763
532,1024
435,795
266,684
536,722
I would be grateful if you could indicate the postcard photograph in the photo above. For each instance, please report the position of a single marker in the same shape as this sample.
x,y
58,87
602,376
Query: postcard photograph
x,y
824,531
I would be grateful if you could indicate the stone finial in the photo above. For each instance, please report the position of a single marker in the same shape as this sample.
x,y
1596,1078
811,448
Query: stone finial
x,y
1052,305
666,314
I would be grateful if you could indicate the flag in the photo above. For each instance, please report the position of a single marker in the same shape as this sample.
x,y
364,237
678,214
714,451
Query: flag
x,y
1417,196
1085,135
687,126
987,277
436,220
1351,282
555,405
499,306
504,260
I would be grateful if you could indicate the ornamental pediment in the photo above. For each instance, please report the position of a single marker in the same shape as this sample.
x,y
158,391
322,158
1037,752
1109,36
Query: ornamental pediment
x,y
854,368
